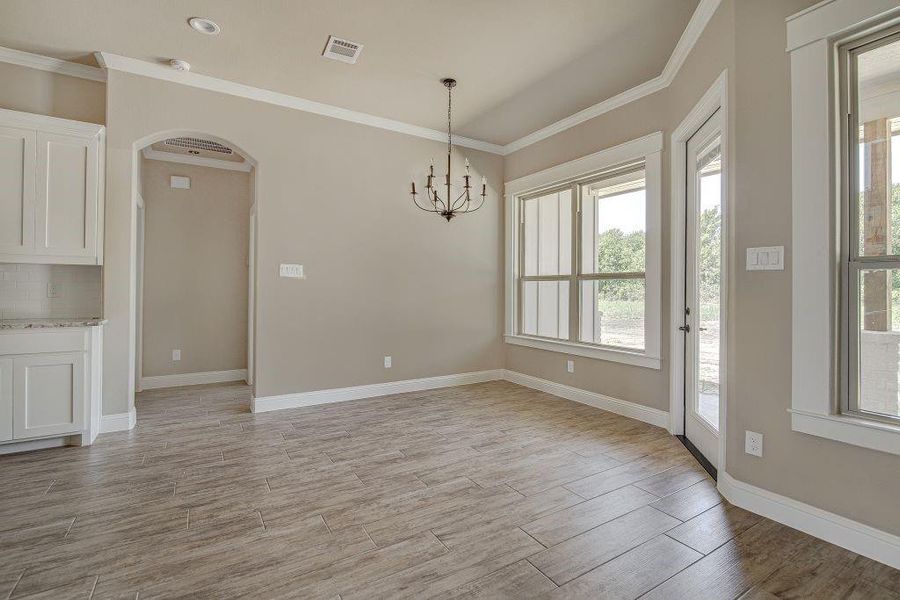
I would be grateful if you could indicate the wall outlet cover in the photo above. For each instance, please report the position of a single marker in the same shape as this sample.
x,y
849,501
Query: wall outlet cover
x,y
387,362
52,290
753,444
570,366
176,354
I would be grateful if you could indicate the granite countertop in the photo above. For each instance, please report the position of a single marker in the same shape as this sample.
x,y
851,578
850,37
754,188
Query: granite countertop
x,y
50,323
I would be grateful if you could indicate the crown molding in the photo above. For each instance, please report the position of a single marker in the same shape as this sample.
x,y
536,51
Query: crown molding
x,y
53,65
196,161
695,27
223,86
699,20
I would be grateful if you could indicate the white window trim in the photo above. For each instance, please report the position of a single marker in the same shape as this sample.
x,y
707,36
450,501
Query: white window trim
x,y
648,149
815,194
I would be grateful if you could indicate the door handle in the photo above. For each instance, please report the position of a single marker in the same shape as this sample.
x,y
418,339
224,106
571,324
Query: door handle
x,y
703,329
685,328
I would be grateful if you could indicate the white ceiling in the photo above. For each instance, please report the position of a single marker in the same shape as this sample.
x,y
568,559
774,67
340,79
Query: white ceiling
x,y
521,64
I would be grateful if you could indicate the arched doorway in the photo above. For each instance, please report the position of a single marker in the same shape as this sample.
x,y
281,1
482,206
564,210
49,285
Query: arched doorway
x,y
196,152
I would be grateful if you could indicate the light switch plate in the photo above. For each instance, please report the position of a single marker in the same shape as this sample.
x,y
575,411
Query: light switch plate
x,y
291,271
769,258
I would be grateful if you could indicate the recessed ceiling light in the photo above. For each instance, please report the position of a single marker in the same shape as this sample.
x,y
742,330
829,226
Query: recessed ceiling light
x,y
204,25
180,65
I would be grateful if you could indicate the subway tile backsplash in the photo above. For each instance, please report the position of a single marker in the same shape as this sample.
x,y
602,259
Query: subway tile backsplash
x,y
25,291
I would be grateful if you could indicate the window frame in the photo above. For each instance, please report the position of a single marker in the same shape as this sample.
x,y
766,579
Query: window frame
x,y
851,262
645,153
817,198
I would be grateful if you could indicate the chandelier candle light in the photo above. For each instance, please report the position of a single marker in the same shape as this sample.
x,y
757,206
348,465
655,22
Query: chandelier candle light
x,y
443,206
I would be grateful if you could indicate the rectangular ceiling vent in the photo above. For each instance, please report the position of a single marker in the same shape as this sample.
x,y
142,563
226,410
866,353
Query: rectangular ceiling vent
x,y
191,143
342,50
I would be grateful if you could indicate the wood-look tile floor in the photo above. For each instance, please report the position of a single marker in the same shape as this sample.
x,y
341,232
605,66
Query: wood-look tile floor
x,y
482,491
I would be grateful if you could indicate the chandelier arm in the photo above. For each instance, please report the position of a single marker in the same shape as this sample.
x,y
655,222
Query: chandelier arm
x,y
459,202
469,209
420,207
437,200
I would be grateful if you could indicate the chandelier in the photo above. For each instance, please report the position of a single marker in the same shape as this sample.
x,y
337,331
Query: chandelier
x,y
444,206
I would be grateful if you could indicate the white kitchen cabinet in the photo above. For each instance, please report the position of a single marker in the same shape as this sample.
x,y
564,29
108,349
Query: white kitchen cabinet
x,y
51,190
50,387
48,394
17,159
6,399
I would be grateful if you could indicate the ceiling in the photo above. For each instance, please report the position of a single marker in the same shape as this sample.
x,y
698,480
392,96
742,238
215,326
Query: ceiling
x,y
521,64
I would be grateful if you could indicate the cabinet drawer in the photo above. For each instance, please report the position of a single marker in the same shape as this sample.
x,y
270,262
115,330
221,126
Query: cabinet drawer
x,y
35,342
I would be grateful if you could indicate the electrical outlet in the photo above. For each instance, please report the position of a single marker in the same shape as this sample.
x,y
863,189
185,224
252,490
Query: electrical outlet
x,y
176,354
753,444
52,290
570,366
387,362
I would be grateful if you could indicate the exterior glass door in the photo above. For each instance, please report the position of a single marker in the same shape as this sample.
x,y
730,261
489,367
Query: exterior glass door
x,y
703,292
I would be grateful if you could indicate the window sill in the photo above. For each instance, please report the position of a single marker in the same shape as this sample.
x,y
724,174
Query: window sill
x,y
866,433
638,359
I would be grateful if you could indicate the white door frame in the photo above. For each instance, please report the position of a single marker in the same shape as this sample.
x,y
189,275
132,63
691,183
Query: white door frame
x,y
141,225
715,98
136,149
251,293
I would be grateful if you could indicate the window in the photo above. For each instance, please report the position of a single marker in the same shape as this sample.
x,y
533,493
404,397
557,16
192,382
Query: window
x,y
844,94
870,272
585,274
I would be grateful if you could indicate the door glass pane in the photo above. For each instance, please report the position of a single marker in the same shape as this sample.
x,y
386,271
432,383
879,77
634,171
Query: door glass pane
x,y
614,224
878,116
612,312
548,234
709,270
879,341
545,309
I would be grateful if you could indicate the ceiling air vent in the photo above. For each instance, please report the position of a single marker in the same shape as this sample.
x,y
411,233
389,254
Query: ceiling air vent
x,y
191,143
342,50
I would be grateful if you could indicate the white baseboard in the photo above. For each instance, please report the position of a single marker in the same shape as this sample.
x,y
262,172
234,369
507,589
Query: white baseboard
x,y
118,422
167,381
841,531
653,416
267,403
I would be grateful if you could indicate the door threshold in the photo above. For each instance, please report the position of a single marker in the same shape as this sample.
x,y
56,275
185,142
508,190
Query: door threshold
x,y
699,456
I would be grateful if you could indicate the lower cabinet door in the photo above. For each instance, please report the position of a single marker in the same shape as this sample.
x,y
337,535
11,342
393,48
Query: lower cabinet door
x,y
6,399
48,394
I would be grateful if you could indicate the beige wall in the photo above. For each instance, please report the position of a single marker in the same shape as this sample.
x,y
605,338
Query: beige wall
x,y
662,111
383,278
195,269
748,38
45,93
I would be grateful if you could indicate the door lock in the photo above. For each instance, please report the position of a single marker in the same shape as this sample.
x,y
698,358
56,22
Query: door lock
x,y
685,328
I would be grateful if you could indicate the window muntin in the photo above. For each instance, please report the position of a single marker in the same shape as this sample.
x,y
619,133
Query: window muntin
x,y
871,237
607,229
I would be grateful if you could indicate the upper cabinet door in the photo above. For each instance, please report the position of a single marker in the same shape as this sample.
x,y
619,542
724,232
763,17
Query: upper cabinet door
x,y
17,163
67,211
